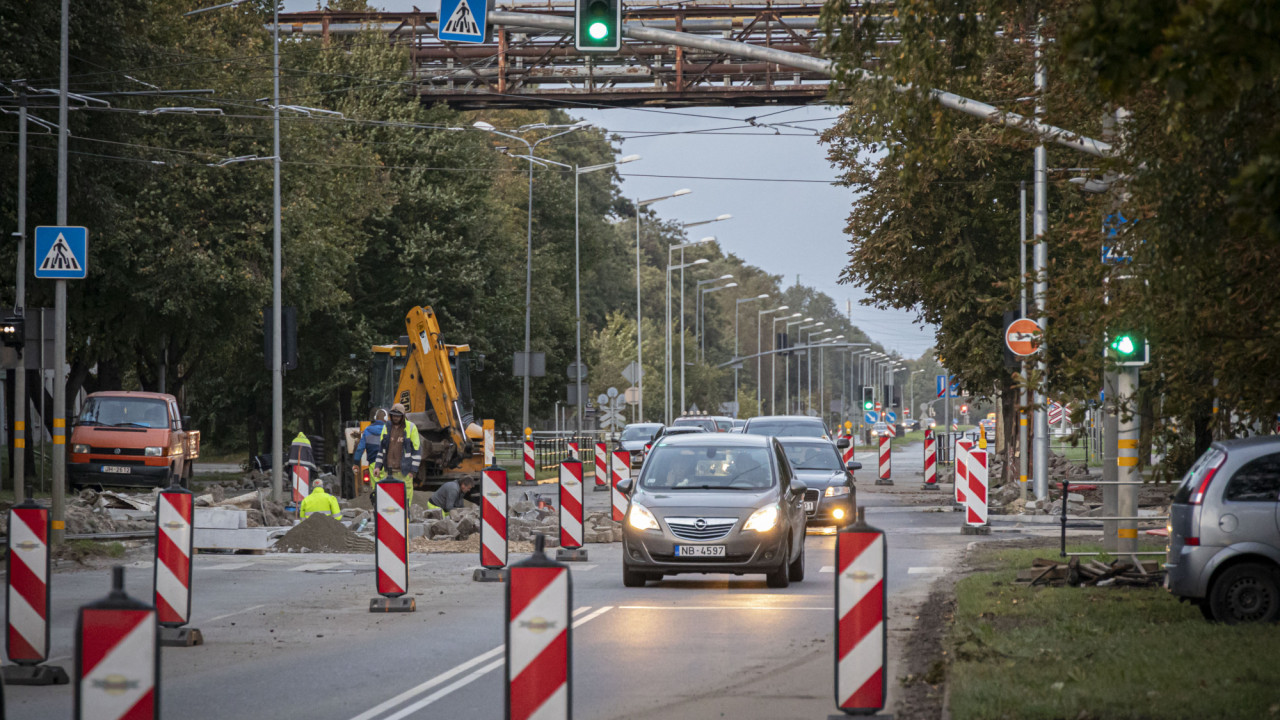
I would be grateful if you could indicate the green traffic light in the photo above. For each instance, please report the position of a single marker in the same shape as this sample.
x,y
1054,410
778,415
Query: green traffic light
x,y
1124,345
867,405
598,30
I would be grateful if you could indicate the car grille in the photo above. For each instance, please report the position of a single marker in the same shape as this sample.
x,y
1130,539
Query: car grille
x,y
812,496
711,528
116,451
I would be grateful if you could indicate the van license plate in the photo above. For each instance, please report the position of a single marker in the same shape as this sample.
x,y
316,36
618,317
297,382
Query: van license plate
x,y
699,551
116,469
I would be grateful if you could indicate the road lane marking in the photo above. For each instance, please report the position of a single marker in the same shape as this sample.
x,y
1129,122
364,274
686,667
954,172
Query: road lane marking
x,y
454,672
228,566
314,566
224,617
927,571
828,569
715,607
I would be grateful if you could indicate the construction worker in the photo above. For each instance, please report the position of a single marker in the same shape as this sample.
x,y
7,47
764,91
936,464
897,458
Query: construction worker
x,y
399,451
367,448
451,494
319,501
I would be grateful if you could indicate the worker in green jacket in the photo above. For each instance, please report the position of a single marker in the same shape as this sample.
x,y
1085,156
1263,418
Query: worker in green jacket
x,y
399,452
319,501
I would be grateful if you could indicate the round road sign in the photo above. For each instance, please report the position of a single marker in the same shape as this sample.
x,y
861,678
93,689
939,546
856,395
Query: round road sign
x,y
1023,337
893,416
871,418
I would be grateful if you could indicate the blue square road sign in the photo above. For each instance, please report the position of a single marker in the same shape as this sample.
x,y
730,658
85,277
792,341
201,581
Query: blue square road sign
x,y
62,252
464,21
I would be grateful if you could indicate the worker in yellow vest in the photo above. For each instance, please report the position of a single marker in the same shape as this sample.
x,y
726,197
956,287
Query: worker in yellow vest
x,y
319,501
399,452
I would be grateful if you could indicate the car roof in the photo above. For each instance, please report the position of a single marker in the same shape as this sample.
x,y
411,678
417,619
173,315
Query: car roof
x,y
802,440
1250,442
684,429
788,418
131,394
642,425
719,439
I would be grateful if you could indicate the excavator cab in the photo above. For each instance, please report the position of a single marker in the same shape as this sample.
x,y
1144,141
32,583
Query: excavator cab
x,y
387,364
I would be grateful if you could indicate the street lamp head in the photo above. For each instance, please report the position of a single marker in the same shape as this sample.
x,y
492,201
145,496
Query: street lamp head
x,y
628,158
582,124
681,191
726,276
726,216
700,261
727,286
482,125
709,238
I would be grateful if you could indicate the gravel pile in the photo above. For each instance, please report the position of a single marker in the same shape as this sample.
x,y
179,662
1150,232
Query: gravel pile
x,y
321,533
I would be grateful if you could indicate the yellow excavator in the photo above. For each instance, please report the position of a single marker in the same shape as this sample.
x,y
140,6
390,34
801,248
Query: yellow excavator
x,y
432,380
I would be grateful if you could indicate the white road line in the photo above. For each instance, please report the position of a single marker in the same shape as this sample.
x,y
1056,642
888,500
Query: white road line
x,y
927,571
583,568
226,566
224,617
828,569
314,566
714,607
454,672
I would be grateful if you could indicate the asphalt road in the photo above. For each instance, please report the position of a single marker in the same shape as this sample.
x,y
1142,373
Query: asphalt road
x,y
290,636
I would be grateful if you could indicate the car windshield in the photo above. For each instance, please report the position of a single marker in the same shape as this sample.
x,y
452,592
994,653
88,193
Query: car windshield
x,y
707,467
812,456
639,432
125,412
786,427
724,425
704,423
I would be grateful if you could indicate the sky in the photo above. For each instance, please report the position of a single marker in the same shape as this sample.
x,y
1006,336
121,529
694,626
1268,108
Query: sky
x,y
793,229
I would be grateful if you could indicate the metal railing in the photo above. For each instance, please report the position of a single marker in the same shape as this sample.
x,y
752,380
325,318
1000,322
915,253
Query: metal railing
x,y
1066,490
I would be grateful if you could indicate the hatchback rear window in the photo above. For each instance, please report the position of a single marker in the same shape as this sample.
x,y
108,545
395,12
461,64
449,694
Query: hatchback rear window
x,y
1192,479
786,428
1257,481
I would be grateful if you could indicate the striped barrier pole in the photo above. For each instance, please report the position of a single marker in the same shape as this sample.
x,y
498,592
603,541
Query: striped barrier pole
x,y
960,470
976,508
27,606
886,462
117,657
391,548
172,575
488,443
571,549
573,450
602,468
539,680
530,474
493,525
930,460
861,609
849,450
621,471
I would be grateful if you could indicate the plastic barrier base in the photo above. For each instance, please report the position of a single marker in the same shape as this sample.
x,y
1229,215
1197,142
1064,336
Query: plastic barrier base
x,y
975,529
489,575
880,481
34,675
571,555
180,637
390,605
877,716
929,486
600,488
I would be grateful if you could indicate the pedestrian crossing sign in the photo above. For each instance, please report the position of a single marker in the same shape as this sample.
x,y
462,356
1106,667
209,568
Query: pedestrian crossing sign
x,y
62,253
464,21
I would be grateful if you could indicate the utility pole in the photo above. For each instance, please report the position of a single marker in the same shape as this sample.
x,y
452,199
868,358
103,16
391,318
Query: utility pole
x,y
20,375
1041,226
58,507
1022,297
1127,459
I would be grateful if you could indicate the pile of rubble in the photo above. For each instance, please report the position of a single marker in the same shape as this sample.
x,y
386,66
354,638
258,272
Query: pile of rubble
x,y
321,533
1093,573
525,518
1060,468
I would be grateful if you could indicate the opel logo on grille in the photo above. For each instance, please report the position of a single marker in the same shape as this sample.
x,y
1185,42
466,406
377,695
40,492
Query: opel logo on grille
x,y
700,524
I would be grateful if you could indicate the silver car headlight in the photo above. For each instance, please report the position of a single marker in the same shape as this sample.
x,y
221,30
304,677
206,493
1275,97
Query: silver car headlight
x,y
836,491
79,449
640,518
763,520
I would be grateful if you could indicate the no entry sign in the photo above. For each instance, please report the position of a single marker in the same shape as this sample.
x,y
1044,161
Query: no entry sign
x,y
1023,337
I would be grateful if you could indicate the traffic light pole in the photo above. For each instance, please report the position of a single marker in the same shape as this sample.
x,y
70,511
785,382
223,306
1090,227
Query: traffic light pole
x,y
1127,459
1110,469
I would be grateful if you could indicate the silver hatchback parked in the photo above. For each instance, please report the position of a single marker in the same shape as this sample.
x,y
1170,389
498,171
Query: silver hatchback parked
x,y
1224,532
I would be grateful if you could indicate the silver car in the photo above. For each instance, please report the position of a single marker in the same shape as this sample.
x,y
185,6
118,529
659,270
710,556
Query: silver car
x,y
714,503
1224,532
636,437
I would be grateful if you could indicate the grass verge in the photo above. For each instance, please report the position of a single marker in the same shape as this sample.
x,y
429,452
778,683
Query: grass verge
x,y
82,550
1064,652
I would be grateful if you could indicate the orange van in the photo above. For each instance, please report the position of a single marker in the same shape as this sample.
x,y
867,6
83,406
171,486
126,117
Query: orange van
x,y
131,439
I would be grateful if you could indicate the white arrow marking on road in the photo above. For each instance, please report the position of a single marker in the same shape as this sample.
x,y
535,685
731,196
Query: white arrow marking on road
x,y
828,569
927,571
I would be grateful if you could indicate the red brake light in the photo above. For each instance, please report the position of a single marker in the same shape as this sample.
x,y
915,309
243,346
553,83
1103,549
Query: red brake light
x,y
1198,497
1191,541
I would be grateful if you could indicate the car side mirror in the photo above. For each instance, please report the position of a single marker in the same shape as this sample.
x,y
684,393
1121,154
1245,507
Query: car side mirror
x,y
798,487
625,486
853,465
842,443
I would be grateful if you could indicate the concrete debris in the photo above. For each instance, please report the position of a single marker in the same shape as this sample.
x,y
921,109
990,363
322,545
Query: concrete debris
x,y
1074,572
445,528
321,533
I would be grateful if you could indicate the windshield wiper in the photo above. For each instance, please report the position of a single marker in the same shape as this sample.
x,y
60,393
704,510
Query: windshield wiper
x,y
131,424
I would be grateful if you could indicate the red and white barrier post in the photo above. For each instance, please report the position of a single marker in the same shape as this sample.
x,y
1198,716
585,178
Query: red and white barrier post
x,y
571,549
961,470
602,468
886,462
530,468
391,548
539,636
930,460
117,657
573,450
175,545
26,610
493,525
975,513
621,470
861,609
301,475
847,454
488,443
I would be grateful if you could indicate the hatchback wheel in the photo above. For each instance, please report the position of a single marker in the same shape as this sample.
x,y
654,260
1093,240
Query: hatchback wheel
x,y
780,578
1246,593
795,571
631,578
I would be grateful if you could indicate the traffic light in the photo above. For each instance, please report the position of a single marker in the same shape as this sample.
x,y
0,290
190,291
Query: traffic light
x,y
12,331
597,25
1128,349
868,402
964,409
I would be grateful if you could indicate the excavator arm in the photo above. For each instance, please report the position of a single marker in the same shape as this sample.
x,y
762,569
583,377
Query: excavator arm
x,y
427,381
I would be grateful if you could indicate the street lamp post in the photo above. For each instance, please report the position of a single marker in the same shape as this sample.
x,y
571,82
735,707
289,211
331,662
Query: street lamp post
x,y
808,360
773,361
639,349
698,296
760,348
736,362
786,370
528,268
670,343
683,403
822,376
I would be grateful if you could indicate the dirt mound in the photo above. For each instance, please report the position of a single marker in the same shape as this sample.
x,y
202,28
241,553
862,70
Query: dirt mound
x,y
321,533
